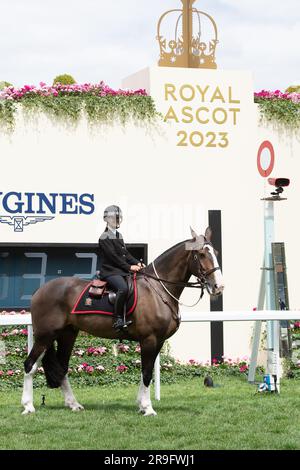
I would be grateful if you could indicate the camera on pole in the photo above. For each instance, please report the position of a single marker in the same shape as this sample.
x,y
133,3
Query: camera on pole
x,y
279,183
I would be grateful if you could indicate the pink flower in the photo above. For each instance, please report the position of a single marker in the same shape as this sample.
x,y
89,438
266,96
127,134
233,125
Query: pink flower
x,y
122,368
10,372
192,362
243,368
96,351
89,369
138,348
123,347
1,373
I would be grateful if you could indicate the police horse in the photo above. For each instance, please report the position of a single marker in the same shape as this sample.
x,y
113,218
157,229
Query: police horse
x,y
155,318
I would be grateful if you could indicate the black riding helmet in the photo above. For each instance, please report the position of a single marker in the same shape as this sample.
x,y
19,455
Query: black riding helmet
x,y
113,211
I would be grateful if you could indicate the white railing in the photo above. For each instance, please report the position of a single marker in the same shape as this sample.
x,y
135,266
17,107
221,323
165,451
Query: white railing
x,y
238,315
18,319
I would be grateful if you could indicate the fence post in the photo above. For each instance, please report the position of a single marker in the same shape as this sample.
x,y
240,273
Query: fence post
x,y
30,338
157,377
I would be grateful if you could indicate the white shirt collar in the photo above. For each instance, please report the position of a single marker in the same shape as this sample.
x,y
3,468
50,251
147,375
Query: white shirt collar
x,y
113,230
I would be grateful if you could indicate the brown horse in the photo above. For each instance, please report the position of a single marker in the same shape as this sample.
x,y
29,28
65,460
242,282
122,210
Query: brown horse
x,y
155,318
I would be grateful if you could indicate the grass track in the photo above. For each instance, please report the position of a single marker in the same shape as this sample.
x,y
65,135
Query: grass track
x,y
190,416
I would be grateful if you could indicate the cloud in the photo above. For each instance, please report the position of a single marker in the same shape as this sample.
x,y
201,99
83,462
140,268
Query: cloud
x,y
97,40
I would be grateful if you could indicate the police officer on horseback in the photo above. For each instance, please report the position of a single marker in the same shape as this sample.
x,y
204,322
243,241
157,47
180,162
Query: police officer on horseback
x,y
115,263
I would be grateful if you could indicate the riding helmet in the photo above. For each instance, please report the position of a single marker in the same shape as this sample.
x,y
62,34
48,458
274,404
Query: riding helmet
x,y
113,211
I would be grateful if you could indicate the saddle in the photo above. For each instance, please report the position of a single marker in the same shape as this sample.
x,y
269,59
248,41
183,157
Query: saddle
x,y
98,289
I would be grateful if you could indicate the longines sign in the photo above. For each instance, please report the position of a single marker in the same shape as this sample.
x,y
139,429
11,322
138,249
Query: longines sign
x,y
19,209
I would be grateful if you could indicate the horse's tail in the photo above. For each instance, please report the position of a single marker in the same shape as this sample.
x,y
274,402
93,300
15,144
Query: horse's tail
x,y
54,372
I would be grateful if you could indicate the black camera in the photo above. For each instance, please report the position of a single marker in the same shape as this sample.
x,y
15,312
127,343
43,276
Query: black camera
x,y
279,183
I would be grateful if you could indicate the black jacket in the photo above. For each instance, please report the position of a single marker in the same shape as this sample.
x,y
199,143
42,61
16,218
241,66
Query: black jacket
x,y
114,258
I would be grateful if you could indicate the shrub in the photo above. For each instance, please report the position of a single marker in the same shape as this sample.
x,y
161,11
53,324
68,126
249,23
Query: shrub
x,y
64,79
4,85
293,89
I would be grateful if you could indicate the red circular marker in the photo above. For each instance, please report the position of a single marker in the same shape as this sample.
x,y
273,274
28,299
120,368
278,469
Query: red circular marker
x,y
264,172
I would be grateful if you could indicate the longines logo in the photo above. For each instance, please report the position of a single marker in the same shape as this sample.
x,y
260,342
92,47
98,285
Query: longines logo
x,y
23,209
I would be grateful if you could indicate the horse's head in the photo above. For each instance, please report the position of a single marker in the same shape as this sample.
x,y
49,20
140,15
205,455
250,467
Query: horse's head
x,y
203,262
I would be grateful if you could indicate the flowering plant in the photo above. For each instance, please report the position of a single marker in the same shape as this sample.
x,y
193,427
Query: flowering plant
x,y
99,102
280,108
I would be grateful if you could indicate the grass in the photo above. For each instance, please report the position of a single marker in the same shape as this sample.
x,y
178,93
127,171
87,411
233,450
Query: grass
x,y
190,417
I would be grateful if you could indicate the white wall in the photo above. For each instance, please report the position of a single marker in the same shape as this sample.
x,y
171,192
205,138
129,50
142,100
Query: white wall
x,y
163,188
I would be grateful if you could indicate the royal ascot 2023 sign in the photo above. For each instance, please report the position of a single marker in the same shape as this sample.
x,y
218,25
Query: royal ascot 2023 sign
x,y
205,111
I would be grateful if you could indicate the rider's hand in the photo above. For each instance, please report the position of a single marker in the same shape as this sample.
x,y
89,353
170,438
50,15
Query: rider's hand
x,y
141,265
135,268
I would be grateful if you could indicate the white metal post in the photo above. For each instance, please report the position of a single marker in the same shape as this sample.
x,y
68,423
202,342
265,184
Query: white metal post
x,y
257,329
30,338
157,377
269,274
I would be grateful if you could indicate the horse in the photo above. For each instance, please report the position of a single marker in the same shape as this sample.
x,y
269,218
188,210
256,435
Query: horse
x,y
155,318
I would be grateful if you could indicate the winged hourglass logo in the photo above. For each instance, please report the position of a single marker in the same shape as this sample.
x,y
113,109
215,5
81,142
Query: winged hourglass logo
x,y
19,222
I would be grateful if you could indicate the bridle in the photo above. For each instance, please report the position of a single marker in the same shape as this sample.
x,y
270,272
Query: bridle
x,y
202,279
203,275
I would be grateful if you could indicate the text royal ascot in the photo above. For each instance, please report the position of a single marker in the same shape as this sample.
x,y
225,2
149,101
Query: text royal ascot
x,y
213,112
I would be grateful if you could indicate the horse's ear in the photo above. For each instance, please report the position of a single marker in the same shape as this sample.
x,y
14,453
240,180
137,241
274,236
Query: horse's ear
x,y
193,233
208,234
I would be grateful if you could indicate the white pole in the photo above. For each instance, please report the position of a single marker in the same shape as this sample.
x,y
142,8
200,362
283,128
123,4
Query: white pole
x,y
269,279
30,338
157,377
257,330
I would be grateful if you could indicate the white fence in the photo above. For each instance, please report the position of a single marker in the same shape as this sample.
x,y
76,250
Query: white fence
x,y
256,315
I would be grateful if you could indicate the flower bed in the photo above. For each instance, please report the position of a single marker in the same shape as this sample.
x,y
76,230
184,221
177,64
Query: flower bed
x,y
99,102
96,361
102,104
282,109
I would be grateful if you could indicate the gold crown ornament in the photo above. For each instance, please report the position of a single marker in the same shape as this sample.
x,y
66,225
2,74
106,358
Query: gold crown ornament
x,y
189,47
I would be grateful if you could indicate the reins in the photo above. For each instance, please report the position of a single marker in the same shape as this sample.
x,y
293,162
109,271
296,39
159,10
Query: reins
x,y
201,282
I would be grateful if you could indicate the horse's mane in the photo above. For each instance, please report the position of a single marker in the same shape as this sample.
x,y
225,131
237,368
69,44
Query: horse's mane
x,y
168,252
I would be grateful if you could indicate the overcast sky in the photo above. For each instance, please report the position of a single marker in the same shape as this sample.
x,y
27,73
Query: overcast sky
x,y
108,40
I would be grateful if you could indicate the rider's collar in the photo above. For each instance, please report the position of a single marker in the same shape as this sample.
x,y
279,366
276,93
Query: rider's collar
x,y
113,230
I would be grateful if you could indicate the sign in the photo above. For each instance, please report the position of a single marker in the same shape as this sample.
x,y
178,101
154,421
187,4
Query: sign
x,y
265,170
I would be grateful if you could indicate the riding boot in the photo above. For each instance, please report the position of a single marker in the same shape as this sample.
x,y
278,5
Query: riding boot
x,y
120,311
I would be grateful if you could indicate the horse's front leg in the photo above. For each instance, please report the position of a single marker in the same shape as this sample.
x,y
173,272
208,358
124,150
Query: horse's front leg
x,y
150,348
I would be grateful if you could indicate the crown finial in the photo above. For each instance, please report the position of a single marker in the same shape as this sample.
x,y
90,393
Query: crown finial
x,y
188,48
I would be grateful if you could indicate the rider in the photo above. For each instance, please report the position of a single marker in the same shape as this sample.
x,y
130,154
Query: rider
x,y
116,262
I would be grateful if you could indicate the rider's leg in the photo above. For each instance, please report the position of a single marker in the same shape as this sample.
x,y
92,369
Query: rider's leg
x,y
119,284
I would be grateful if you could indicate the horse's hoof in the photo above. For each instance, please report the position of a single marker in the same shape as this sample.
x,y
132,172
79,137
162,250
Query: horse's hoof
x,y
28,409
77,407
150,412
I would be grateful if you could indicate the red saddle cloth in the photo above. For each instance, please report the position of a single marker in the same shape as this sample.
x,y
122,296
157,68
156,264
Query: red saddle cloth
x,y
87,305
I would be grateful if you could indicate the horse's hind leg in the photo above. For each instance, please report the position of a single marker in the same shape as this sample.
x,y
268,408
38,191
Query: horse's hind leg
x,y
150,348
30,366
65,345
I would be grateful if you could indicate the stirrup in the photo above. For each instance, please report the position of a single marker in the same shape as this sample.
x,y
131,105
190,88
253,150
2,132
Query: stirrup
x,y
120,324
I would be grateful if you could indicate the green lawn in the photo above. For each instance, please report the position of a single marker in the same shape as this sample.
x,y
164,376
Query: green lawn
x,y
190,416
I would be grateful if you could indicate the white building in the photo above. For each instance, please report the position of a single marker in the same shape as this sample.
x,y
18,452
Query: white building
x,y
200,160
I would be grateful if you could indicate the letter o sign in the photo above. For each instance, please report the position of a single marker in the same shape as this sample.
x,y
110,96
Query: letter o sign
x,y
265,169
